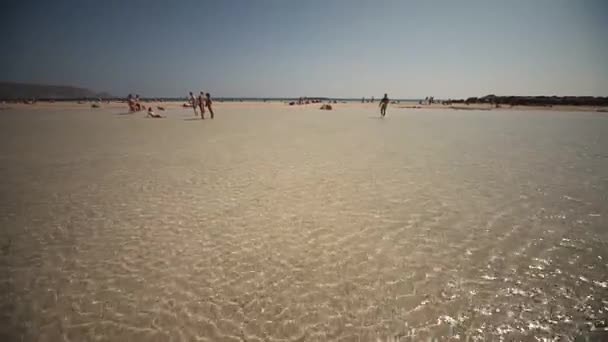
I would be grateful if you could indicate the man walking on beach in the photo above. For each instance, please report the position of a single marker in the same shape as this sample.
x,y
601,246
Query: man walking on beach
x,y
201,104
193,102
208,104
383,105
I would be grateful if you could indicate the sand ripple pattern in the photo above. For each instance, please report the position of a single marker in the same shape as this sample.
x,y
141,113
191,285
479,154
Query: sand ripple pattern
x,y
290,224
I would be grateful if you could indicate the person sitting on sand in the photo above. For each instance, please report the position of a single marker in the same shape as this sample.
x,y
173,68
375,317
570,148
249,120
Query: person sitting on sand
x,y
152,114
138,106
383,105
208,104
201,104
193,103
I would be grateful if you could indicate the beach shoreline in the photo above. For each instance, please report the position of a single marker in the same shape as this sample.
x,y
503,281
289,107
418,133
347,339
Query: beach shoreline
x,y
414,105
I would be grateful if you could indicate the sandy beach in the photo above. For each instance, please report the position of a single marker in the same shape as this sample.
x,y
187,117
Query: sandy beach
x,y
412,105
287,223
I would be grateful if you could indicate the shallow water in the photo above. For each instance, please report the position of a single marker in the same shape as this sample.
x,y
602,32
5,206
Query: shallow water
x,y
293,224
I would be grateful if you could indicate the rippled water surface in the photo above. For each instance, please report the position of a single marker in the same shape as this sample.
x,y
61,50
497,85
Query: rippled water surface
x,y
293,224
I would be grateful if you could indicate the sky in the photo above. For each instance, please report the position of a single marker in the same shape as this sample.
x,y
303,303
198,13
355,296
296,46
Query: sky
x,y
290,48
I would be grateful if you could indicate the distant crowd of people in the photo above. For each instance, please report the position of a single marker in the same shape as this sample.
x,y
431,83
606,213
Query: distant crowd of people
x,y
307,100
201,102
383,104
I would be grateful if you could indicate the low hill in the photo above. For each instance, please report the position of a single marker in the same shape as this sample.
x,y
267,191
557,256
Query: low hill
x,y
16,91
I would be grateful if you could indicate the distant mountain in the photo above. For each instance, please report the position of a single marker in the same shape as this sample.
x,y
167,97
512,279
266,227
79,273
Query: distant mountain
x,y
14,91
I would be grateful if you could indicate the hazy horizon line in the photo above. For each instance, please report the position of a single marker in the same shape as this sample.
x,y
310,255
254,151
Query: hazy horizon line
x,y
414,98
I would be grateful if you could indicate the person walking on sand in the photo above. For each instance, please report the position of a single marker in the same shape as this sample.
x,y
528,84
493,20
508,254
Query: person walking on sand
x,y
193,102
383,105
201,104
208,104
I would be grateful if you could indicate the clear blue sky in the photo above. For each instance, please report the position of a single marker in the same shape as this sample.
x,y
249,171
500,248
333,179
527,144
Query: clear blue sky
x,y
282,48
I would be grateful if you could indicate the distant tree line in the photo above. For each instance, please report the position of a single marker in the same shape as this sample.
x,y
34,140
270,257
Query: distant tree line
x,y
536,100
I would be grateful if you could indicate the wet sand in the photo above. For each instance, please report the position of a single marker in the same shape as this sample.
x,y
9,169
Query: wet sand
x,y
278,223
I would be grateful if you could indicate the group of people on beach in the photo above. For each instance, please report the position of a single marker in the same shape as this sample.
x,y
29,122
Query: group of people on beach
x,y
134,104
202,101
307,100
